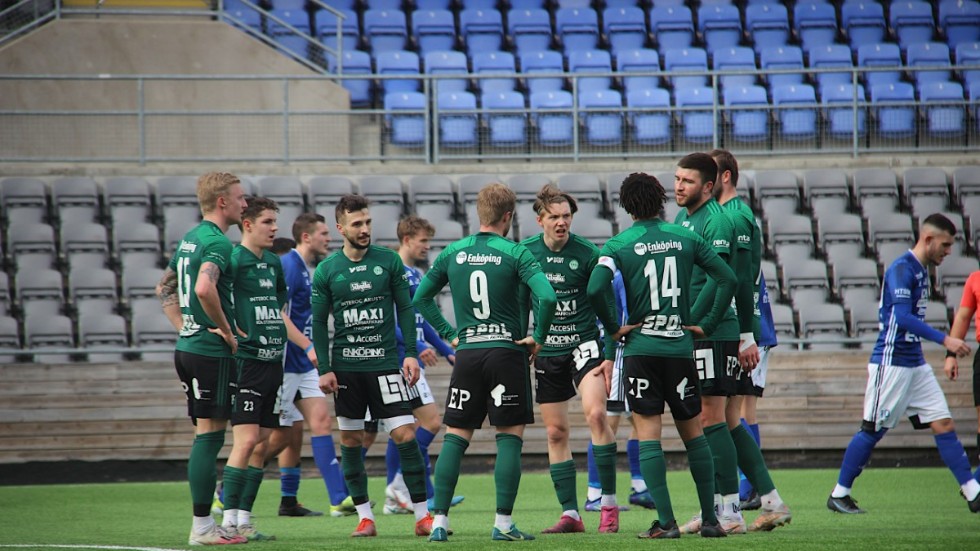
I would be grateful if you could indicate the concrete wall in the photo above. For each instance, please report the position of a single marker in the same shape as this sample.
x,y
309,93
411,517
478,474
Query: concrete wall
x,y
163,47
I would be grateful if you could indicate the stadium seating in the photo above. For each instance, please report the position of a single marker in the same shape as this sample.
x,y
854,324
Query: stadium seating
x,y
590,61
649,127
797,113
355,62
482,30
602,127
638,61
863,21
530,30
735,59
457,129
815,24
287,192
577,28
912,22
385,30
507,128
553,128
747,124
448,63
433,30
75,199
625,28
406,129
767,24
673,26
542,62
398,63
494,62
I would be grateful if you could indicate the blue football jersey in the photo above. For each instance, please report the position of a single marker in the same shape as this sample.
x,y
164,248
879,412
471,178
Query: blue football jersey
x,y
299,308
425,335
767,327
901,314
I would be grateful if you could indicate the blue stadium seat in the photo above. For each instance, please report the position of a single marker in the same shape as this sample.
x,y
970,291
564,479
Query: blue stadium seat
x,y
694,60
720,25
944,117
245,17
621,4
880,55
638,61
602,127
479,4
959,21
326,29
554,128
673,26
457,129
528,4
494,62
863,21
547,61
840,120
406,130
929,54
911,22
448,63
291,36
968,53
398,63
482,30
796,111
748,125
815,24
591,61
578,28
355,62
828,57
894,121
337,4
386,30
738,58
395,5
625,28
781,59
508,128
530,30
649,127
433,4
768,25
434,30
698,125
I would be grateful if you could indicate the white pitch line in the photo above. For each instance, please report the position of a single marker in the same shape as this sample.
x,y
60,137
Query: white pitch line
x,y
106,547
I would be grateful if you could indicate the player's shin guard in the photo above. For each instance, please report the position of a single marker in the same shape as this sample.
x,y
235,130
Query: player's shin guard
x,y
653,466
424,437
202,475
725,458
954,456
413,469
605,462
563,476
703,471
507,471
392,460
633,455
856,456
253,480
447,472
594,472
325,456
354,473
234,482
751,462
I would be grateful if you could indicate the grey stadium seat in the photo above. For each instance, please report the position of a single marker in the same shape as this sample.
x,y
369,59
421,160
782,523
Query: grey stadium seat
x,y
862,304
127,200
40,291
810,275
387,196
100,332
136,244
447,231
776,183
826,186
839,227
177,201
596,230
791,237
9,338
85,244
75,200
782,316
937,316
925,181
823,323
324,193
234,234
287,192
471,184
895,227
152,329
955,270
32,246
139,286
93,290
875,182
526,186
25,201
966,181
889,251
768,269
4,294
587,191
858,272
48,331
433,197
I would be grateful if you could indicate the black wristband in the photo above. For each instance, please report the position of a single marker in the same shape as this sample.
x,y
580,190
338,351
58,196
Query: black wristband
x,y
950,354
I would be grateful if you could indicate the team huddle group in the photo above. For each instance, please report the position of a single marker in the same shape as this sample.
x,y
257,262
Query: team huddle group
x,y
678,307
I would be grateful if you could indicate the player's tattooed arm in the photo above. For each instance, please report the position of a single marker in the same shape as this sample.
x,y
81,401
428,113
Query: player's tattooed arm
x,y
206,289
167,292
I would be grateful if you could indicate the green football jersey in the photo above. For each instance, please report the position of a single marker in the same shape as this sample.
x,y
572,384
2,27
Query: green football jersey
x,y
658,262
715,226
484,272
568,271
260,294
365,298
748,237
204,243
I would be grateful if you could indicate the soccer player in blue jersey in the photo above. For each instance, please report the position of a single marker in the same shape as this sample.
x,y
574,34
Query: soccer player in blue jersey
x,y
414,234
900,382
301,395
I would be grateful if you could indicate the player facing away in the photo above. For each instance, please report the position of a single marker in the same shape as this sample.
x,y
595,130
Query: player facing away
x,y
657,261
717,354
414,234
490,377
195,292
747,254
961,323
571,359
259,291
900,382
364,287
301,395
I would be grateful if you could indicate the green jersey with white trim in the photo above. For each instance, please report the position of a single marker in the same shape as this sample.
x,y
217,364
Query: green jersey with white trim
x,y
260,294
568,271
204,243
747,236
715,226
658,262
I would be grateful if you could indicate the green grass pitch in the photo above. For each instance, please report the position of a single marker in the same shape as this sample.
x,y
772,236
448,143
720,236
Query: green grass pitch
x,y
907,509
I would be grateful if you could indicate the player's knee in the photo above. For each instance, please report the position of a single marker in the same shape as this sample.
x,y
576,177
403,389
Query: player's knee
x,y
557,434
596,418
867,427
942,425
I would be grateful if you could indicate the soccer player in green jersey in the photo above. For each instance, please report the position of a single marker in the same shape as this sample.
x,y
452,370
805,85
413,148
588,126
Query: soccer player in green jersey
x,y
658,262
570,359
748,254
364,287
259,289
490,377
196,295
716,355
